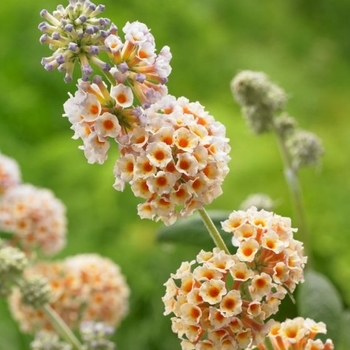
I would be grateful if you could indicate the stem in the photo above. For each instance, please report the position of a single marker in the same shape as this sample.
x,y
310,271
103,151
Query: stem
x,y
268,344
214,233
293,184
61,327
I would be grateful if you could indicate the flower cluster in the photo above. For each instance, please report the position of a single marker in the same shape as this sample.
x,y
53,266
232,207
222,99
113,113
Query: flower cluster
x,y
177,161
224,301
85,287
297,334
10,174
35,217
74,33
260,99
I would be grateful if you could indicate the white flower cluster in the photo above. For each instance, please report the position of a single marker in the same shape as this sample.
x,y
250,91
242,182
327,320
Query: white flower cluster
x,y
35,217
176,161
84,287
223,302
10,174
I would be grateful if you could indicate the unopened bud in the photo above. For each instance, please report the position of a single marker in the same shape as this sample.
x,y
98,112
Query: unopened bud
x,y
259,98
305,149
45,340
12,262
35,292
285,125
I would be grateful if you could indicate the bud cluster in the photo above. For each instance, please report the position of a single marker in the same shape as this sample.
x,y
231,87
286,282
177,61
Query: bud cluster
x,y
260,99
45,340
95,336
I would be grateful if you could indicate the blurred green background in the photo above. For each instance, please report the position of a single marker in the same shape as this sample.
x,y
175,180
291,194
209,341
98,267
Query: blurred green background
x,y
303,45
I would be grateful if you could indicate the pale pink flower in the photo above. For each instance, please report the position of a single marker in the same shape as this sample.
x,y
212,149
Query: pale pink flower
x,y
35,217
84,287
10,174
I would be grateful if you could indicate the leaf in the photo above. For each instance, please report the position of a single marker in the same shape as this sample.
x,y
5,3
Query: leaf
x,y
193,231
318,299
345,327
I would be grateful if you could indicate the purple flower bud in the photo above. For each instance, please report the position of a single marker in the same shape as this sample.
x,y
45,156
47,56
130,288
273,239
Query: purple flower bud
x,y
123,67
94,50
68,78
56,36
140,77
44,38
100,8
62,68
43,13
82,18
69,28
43,26
73,47
90,30
60,59
106,67
97,79
86,70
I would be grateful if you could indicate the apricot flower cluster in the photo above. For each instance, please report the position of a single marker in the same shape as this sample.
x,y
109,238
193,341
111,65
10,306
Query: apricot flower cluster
x,y
35,217
10,174
297,334
176,161
85,287
223,301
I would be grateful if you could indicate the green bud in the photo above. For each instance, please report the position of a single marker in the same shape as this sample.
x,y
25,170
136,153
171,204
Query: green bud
x,y
259,98
305,149
45,340
285,125
35,292
12,262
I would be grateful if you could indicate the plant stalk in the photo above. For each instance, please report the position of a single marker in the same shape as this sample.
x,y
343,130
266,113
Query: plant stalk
x,y
61,327
214,233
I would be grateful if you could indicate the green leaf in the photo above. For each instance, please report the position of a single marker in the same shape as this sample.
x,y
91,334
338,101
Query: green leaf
x,y
192,231
6,235
345,327
319,299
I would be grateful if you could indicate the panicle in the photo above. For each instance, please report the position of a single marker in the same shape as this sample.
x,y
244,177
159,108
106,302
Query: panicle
x,y
35,217
176,161
45,340
12,264
85,287
305,149
95,336
10,174
223,301
259,98
74,33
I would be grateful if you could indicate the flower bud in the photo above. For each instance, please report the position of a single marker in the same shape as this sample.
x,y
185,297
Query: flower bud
x,y
45,340
35,292
259,99
305,149
285,125
12,262
95,336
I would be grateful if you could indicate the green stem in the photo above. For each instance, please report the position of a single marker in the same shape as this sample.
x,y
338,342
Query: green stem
x,y
291,177
268,344
61,327
214,233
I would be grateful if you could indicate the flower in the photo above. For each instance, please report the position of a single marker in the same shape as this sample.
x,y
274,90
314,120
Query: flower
x,y
35,217
84,287
10,175
220,302
176,160
75,33
136,64
297,334
265,242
